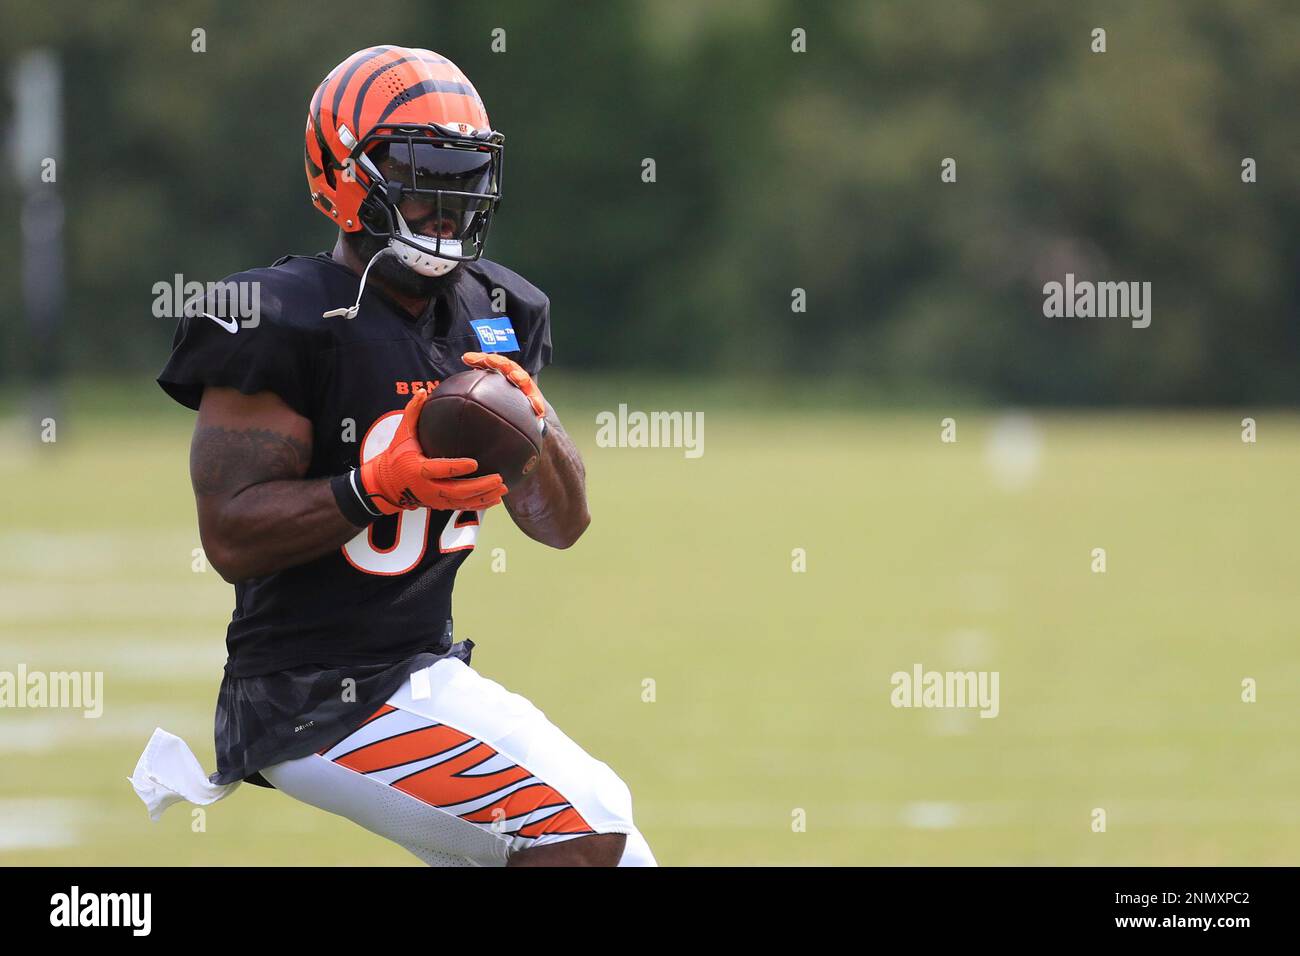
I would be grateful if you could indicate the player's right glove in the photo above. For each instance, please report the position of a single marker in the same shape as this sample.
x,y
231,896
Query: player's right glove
x,y
401,477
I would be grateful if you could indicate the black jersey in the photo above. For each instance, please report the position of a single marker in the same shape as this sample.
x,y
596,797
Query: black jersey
x,y
386,595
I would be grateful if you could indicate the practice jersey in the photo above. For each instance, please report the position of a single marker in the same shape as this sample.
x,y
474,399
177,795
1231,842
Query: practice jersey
x,y
385,595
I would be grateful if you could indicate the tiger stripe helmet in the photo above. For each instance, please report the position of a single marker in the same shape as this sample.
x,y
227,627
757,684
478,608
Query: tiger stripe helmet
x,y
416,116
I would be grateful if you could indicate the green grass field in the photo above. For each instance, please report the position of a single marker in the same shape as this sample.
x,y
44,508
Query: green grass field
x,y
1119,691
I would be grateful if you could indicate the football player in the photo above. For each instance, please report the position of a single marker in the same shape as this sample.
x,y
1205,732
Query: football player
x,y
344,686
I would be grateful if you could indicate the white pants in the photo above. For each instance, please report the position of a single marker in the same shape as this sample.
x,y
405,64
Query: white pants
x,y
462,772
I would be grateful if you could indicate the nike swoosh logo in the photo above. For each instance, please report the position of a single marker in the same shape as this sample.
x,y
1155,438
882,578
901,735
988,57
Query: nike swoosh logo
x,y
230,325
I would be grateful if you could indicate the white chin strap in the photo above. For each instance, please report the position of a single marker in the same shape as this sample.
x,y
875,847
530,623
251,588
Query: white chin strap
x,y
423,259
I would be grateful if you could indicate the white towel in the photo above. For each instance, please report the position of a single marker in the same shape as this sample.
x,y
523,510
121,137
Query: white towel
x,y
168,772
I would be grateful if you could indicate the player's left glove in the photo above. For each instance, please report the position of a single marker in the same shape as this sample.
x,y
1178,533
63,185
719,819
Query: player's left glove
x,y
518,377
401,477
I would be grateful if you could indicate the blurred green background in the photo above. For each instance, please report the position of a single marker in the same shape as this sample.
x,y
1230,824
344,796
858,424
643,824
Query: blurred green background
x,y
775,171
1119,691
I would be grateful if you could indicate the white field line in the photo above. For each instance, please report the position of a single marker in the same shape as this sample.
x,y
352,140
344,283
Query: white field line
x,y
121,600
38,823
137,659
42,732
94,554
1050,813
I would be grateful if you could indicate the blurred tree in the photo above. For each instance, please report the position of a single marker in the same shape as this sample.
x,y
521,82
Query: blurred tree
x,y
775,170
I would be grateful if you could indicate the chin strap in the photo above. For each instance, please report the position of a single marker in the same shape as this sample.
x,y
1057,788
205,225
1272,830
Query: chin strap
x,y
416,253
352,312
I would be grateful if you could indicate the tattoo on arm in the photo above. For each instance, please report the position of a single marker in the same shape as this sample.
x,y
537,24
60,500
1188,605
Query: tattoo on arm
x,y
224,461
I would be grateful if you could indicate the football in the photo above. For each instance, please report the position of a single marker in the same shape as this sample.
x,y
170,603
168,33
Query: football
x,y
478,414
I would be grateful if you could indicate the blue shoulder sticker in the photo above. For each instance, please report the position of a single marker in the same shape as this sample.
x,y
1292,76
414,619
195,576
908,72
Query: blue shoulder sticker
x,y
495,335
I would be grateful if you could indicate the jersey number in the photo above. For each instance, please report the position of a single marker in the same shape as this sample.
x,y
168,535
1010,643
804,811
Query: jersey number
x,y
412,539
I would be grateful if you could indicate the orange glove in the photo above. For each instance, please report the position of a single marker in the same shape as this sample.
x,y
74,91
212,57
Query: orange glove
x,y
518,377
401,477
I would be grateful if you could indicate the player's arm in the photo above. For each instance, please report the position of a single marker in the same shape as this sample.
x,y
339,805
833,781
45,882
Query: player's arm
x,y
550,505
257,514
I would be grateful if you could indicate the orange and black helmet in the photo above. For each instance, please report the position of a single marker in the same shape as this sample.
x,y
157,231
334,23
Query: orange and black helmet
x,y
391,123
